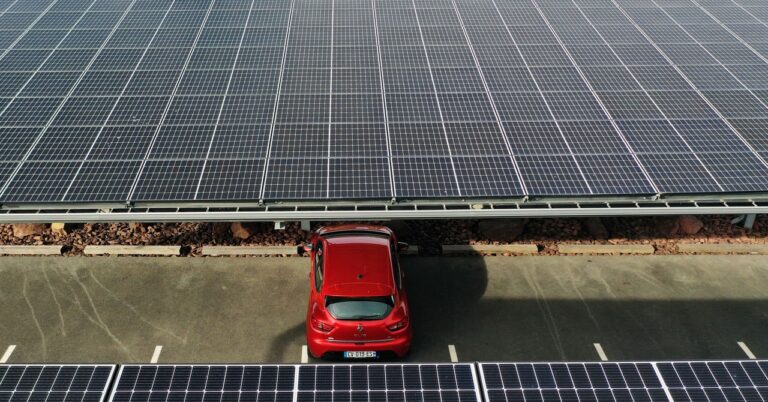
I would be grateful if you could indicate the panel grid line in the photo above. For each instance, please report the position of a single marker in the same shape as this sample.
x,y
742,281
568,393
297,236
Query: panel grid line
x,y
170,102
693,86
277,103
45,60
544,99
9,7
653,101
437,99
663,382
520,179
597,98
749,12
117,102
224,101
71,91
382,86
330,108
725,120
722,25
29,28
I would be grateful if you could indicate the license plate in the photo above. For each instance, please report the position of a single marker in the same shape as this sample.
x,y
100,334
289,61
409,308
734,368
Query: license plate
x,y
360,355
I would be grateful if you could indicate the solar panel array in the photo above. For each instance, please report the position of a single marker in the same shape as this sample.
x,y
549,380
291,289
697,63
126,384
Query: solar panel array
x,y
338,382
198,383
215,100
679,381
572,382
391,382
55,383
716,381
743,381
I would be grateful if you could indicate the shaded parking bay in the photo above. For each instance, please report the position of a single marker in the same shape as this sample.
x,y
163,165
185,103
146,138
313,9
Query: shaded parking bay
x,y
113,309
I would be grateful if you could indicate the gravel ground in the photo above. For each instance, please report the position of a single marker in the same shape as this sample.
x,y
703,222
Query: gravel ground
x,y
546,233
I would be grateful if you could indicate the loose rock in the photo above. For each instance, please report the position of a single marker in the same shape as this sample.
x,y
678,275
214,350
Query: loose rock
x,y
501,230
689,224
239,231
667,226
596,228
58,228
23,230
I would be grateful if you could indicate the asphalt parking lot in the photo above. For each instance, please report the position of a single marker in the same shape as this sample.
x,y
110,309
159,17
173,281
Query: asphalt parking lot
x,y
216,310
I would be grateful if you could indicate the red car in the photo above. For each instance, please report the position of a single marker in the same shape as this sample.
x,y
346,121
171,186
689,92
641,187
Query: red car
x,y
358,307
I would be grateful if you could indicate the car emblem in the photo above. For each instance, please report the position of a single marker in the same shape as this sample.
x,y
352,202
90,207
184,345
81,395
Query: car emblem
x,y
360,328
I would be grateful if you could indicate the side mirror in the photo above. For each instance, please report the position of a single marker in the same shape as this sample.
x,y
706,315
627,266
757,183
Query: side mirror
x,y
402,246
303,248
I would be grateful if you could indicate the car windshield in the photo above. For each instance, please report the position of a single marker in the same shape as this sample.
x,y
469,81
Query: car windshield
x,y
359,308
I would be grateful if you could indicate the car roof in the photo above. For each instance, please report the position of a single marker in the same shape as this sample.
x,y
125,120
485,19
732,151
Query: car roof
x,y
357,265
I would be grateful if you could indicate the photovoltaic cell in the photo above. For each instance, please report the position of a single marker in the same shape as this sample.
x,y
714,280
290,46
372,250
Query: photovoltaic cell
x,y
572,381
284,383
55,383
717,380
204,383
390,382
139,101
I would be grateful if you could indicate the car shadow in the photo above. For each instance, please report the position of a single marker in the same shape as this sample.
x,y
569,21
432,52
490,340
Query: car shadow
x,y
440,297
543,318
544,315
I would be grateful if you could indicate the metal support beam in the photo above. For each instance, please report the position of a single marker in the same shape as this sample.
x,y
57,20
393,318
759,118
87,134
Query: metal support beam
x,y
379,212
747,221
306,226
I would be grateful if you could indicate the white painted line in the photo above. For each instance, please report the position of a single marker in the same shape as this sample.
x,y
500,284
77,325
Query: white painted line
x,y
156,355
452,352
600,352
304,355
746,350
7,354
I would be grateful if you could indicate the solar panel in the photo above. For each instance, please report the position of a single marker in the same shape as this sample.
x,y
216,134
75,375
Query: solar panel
x,y
716,381
205,383
388,382
275,383
55,383
120,101
626,381
572,381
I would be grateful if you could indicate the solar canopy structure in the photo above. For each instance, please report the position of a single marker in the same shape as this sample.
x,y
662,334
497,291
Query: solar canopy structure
x,y
337,382
211,102
678,381
629,381
55,383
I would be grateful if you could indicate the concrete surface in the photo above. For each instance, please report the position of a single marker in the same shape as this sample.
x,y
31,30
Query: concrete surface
x,y
118,249
705,248
490,248
118,309
614,249
30,250
218,251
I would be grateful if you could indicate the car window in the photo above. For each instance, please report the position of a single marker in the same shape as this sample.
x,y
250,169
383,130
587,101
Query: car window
x,y
395,265
359,308
318,266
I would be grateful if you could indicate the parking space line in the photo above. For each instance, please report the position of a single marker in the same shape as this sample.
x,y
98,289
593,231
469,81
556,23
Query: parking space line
x,y
7,354
156,354
600,352
747,351
304,355
452,353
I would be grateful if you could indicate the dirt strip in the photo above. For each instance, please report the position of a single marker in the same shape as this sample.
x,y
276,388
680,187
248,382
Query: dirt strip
x,y
662,233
